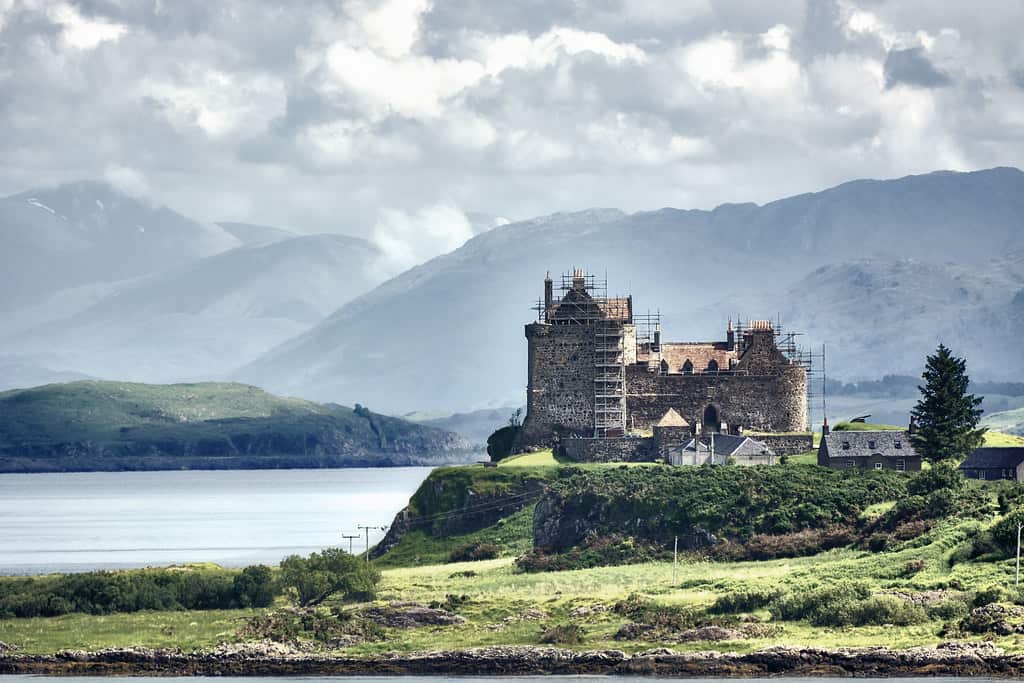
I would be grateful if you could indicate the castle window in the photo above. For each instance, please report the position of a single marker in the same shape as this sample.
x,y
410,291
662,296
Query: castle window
x,y
713,366
687,367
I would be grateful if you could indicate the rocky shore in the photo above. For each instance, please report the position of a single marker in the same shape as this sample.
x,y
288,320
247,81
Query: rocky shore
x,y
266,658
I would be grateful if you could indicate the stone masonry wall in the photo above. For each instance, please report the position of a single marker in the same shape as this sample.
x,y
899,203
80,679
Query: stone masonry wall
x,y
786,444
561,381
770,403
624,449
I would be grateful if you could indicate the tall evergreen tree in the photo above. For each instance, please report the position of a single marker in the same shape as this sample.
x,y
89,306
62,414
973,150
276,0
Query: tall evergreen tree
x,y
946,417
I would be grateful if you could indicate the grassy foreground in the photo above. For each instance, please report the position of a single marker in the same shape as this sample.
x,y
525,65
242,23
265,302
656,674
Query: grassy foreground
x,y
505,607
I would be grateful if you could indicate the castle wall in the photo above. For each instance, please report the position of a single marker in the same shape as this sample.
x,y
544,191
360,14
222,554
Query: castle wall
x,y
787,444
560,392
621,449
770,403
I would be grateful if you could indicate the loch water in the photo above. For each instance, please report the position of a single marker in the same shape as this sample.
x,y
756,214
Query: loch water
x,y
109,520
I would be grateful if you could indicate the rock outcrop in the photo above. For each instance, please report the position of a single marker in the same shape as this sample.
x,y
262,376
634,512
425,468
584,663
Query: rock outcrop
x,y
945,659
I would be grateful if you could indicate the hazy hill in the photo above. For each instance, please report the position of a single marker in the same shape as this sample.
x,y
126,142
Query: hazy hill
x,y
88,232
247,233
203,318
448,334
90,425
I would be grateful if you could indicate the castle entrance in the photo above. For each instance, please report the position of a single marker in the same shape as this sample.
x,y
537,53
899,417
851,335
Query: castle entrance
x,y
712,423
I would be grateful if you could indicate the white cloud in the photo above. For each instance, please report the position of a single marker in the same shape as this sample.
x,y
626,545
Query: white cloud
x,y
127,180
82,33
409,238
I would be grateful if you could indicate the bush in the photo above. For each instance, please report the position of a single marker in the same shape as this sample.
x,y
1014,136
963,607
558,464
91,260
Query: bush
x,y
501,442
796,544
328,572
598,551
254,586
562,634
847,604
1004,532
135,590
473,551
941,476
744,600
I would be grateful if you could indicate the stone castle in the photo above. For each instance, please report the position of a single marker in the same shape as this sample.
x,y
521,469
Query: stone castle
x,y
597,373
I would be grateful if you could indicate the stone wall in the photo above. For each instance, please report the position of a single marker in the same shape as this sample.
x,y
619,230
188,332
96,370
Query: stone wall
x,y
770,403
561,381
786,444
624,449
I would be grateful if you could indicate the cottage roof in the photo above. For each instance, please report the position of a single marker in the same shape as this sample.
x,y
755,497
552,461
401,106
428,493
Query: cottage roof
x,y
885,443
672,419
728,444
1002,457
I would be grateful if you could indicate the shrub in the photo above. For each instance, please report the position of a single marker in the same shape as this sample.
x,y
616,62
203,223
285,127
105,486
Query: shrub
x,y
473,551
134,590
796,544
599,551
254,586
562,634
328,572
501,442
1004,532
744,600
913,567
941,476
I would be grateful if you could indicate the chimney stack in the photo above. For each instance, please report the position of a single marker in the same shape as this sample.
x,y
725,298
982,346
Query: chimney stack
x,y
730,336
548,294
657,337
579,281
824,427
913,427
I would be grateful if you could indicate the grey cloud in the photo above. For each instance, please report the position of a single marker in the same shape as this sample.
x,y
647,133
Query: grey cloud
x,y
68,114
911,66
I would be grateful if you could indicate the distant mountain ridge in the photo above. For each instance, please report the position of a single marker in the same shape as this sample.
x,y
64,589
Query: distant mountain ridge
x,y
88,232
448,333
198,319
91,426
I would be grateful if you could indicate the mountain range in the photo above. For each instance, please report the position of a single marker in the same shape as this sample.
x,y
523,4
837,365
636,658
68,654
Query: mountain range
x,y
878,270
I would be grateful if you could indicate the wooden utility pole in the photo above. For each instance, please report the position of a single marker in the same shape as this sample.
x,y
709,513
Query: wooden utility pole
x,y
367,530
350,537
675,559
1016,578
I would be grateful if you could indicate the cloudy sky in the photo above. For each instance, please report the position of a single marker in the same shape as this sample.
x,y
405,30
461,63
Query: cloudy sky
x,y
395,119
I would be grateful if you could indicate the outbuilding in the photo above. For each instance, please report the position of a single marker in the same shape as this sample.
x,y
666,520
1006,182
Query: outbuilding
x,y
879,450
994,463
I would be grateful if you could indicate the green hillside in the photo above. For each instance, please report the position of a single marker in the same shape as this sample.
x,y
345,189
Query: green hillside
x,y
93,425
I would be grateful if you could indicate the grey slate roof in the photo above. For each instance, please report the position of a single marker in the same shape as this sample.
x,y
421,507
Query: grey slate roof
x,y
998,458
867,444
727,444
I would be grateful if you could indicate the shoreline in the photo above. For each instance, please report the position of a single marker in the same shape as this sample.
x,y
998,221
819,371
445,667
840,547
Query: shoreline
x,y
947,659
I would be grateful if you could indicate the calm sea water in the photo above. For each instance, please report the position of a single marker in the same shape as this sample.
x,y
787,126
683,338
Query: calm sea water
x,y
106,520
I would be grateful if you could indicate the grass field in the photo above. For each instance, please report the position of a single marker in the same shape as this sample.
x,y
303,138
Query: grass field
x,y
505,607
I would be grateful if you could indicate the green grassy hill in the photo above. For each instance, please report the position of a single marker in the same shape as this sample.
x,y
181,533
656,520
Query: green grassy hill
x,y
93,425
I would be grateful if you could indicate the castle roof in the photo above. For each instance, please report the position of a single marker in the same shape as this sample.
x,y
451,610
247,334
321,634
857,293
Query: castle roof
x,y
885,443
672,419
992,457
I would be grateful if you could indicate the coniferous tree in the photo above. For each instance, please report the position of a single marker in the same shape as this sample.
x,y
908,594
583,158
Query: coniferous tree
x,y
946,416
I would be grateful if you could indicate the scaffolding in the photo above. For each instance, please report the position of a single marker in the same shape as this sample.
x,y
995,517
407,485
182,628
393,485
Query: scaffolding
x,y
609,379
813,363
648,338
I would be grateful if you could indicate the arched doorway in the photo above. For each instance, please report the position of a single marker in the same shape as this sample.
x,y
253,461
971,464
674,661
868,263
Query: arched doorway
x,y
712,423
688,367
713,366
